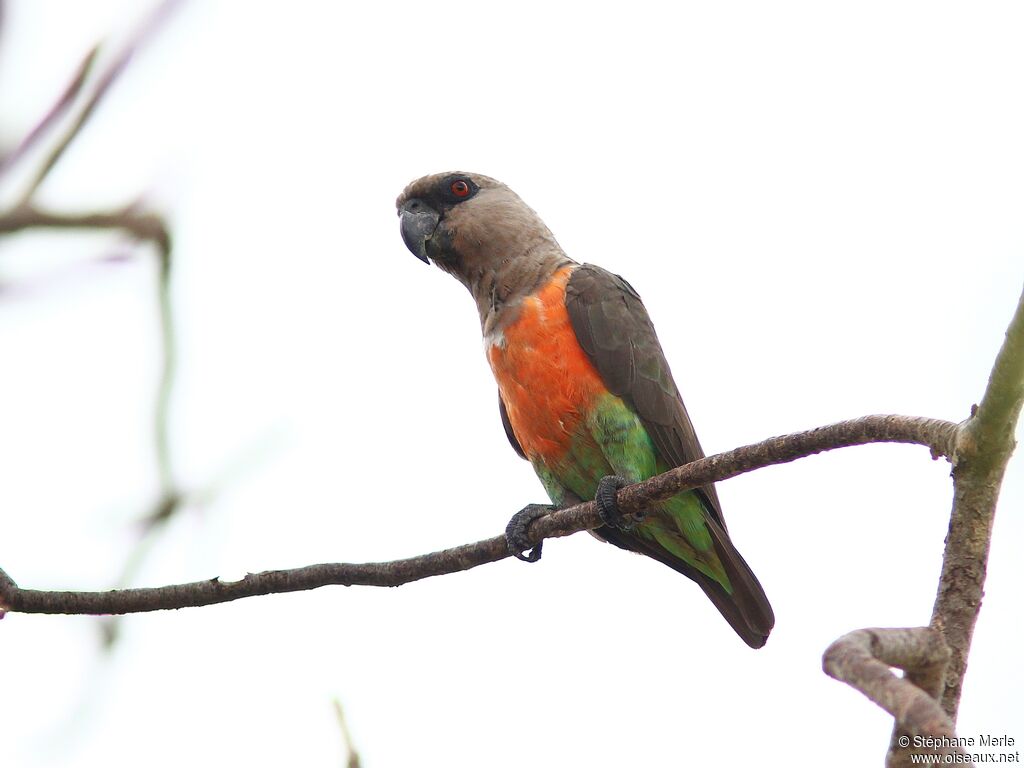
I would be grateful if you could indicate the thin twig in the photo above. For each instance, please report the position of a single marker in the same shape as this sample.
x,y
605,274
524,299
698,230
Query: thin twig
x,y
144,225
59,107
149,227
169,359
352,760
929,432
103,84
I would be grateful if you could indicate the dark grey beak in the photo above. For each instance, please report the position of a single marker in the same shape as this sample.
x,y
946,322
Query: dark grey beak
x,y
419,221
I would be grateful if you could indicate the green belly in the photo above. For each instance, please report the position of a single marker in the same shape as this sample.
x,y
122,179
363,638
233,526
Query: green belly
x,y
611,440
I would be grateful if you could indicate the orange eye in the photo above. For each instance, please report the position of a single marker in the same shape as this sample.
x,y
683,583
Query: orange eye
x,y
459,188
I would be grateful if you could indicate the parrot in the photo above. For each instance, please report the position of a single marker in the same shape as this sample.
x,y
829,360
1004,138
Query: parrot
x,y
585,393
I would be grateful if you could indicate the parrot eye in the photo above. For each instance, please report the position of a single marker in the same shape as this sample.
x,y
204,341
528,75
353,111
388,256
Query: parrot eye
x,y
456,189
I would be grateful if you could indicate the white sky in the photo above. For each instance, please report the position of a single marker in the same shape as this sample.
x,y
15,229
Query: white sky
x,y
821,207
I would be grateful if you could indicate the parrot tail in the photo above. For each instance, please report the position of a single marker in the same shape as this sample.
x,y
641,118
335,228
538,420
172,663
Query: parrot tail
x,y
745,607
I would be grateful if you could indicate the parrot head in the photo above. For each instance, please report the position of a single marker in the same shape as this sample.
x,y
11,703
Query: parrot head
x,y
477,229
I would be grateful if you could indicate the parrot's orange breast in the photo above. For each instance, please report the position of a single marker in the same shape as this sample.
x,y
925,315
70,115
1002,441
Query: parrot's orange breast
x,y
546,380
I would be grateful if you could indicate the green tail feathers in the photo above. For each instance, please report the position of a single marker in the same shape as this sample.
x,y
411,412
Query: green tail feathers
x,y
685,532
703,552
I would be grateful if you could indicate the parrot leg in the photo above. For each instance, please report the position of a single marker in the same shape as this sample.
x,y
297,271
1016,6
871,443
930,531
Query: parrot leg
x,y
516,532
607,503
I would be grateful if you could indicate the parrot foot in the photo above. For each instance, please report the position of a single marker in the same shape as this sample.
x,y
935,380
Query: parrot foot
x,y
516,532
607,503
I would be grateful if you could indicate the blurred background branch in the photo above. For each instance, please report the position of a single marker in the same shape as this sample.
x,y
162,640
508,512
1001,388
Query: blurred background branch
x,y
75,105
52,115
352,754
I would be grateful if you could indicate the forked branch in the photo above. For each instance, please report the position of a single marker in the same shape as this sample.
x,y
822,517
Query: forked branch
x,y
925,702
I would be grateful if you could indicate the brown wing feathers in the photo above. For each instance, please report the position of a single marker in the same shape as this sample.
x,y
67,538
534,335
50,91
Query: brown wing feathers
x,y
509,433
614,329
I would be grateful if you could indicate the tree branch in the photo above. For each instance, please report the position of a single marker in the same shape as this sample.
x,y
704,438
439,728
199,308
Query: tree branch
x,y
933,433
141,224
936,434
935,657
982,451
863,659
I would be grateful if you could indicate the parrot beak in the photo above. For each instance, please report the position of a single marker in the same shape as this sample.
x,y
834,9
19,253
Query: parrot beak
x,y
419,221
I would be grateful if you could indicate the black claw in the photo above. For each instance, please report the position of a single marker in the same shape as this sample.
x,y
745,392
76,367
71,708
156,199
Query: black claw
x,y
607,503
517,536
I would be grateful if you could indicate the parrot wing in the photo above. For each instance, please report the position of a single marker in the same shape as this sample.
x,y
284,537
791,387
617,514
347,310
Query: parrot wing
x,y
614,329
508,428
